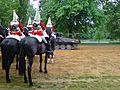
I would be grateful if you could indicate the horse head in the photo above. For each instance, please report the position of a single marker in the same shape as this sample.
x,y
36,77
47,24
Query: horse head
x,y
3,33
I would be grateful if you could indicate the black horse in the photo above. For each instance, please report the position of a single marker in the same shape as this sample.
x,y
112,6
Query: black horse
x,y
9,49
30,46
52,45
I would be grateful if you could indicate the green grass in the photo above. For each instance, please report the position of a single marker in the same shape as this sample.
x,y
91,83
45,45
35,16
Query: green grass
x,y
16,84
65,83
94,83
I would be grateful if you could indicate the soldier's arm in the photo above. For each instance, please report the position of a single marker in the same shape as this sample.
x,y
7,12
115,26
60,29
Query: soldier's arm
x,y
42,25
21,27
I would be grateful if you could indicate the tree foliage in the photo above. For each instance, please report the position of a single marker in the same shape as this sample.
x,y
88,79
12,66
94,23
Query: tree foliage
x,y
87,17
111,9
6,10
72,15
113,24
7,7
22,11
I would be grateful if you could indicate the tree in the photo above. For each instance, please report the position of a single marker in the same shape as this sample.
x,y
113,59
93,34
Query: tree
x,y
72,15
6,10
22,11
113,24
7,7
111,9
98,35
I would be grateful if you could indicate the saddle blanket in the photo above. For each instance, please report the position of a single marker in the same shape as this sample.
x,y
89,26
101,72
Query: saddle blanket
x,y
15,37
39,38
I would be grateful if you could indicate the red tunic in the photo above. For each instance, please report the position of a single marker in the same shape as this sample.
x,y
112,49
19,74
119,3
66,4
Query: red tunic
x,y
42,25
36,32
39,33
21,27
17,32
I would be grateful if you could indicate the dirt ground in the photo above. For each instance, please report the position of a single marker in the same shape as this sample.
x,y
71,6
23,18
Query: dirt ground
x,y
87,60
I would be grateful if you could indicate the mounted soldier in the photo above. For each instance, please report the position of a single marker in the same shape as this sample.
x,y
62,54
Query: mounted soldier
x,y
16,28
38,31
10,45
50,26
28,28
52,37
35,44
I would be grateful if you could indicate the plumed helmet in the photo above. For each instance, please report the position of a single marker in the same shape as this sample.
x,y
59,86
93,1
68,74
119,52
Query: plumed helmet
x,y
29,22
49,24
37,17
15,18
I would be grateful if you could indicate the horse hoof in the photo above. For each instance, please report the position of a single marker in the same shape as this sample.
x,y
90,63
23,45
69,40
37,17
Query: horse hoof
x,y
40,71
25,81
8,81
45,72
20,73
30,84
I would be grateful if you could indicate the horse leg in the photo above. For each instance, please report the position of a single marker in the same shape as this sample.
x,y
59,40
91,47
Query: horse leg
x,y
3,52
3,61
52,54
7,69
30,62
22,64
45,68
7,74
48,59
40,56
25,77
17,62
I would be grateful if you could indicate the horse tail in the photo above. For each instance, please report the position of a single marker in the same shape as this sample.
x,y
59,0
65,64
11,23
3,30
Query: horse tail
x,y
22,64
7,54
4,53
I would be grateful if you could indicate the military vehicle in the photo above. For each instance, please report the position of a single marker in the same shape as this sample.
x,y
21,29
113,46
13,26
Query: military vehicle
x,y
63,43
